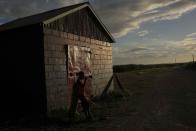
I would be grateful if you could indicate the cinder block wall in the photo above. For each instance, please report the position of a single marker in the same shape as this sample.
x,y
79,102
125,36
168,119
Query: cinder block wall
x,y
56,70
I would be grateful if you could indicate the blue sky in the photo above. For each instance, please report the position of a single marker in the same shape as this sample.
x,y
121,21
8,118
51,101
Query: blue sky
x,y
159,35
146,31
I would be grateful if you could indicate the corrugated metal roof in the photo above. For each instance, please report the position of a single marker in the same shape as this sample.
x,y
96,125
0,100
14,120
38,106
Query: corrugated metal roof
x,y
50,16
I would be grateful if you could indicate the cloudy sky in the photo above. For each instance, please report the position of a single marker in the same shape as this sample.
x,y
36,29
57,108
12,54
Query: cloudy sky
x,y
146,31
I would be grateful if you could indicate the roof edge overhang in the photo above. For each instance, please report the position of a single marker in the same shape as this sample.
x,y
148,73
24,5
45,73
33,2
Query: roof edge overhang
x,y
86,4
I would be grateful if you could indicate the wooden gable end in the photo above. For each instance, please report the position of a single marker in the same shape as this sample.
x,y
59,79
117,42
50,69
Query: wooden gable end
x,y
81,23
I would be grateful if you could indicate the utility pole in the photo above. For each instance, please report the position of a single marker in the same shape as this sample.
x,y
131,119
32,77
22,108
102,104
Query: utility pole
x,y
193,57
175,60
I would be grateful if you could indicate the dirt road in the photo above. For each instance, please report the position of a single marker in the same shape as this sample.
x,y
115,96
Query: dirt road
x,y
159,100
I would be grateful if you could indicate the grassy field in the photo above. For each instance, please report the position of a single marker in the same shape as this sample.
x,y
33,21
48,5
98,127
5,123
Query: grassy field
x,y
153,99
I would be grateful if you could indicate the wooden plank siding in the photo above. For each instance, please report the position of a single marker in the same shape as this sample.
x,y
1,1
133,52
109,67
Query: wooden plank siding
x,y
80,23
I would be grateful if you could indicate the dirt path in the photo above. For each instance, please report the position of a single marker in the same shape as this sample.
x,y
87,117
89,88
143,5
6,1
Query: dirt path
x,y
160,100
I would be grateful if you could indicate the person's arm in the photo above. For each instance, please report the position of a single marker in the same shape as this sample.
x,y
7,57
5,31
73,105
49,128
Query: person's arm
x,y
85,80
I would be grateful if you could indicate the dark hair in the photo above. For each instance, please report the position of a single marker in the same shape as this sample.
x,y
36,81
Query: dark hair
x,y
81,74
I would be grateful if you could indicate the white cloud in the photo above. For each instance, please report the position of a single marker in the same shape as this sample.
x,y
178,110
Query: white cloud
x,y
151,12
192,34
121,17
128,15
138,55
158,52
143,33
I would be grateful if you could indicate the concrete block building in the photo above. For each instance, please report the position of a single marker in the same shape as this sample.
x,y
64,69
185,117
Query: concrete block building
x,y
41,54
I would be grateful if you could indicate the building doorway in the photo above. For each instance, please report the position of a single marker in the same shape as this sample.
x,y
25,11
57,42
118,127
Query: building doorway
x,y
78,59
